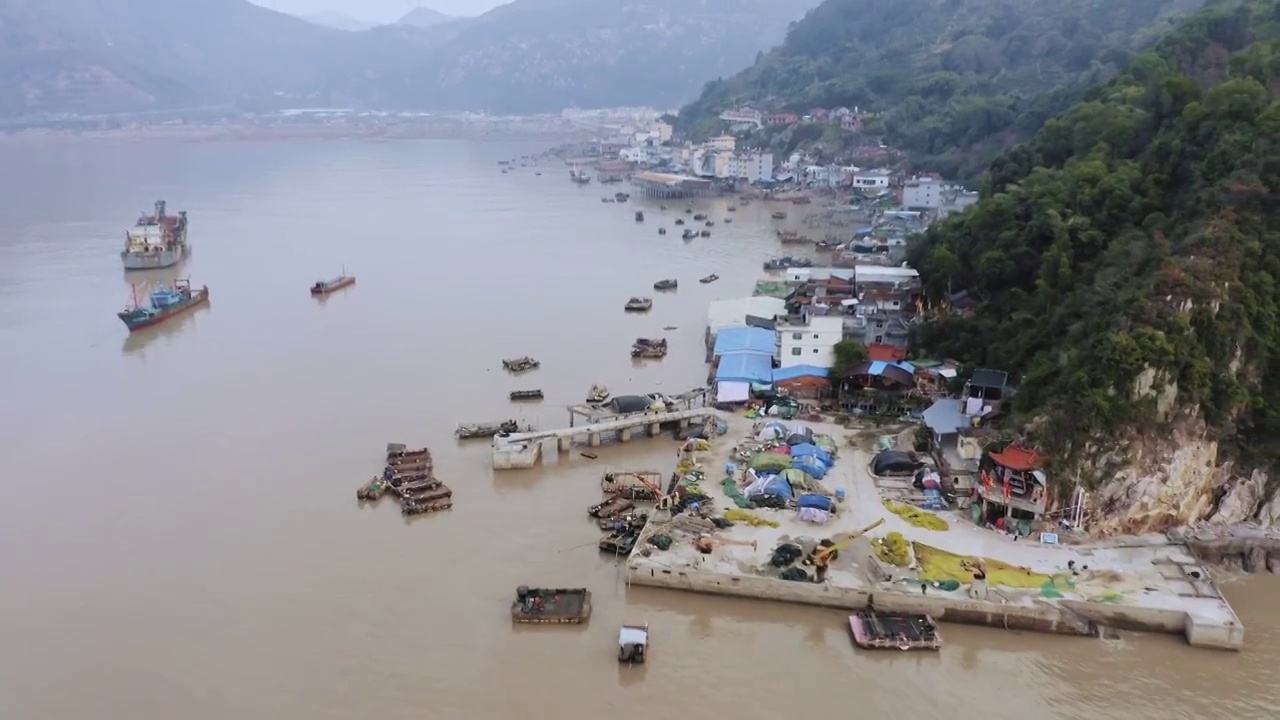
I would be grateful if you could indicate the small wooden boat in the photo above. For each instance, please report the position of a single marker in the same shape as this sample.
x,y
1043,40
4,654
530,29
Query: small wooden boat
x,y
551,605
372,490
700,217
324,287
639,216
610,506
420,508
619,543
525,395
520,364
662,207
902,631
679,221
705,233
728,220
597,394
399,452
395,479
416,487
613,523
662,231
779,215
668,284
733,208
633,643
688,210
649,348
711,223
689,234
427,496
638,304
488,430
709,279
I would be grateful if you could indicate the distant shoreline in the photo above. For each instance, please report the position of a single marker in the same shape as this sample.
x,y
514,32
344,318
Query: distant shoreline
x,y
242,132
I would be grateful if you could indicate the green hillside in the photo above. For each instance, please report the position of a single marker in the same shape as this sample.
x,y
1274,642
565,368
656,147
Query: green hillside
x,y
1139,231
957,79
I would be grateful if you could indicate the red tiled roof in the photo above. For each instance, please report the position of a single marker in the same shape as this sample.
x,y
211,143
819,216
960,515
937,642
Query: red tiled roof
x,y
1019,458
886,353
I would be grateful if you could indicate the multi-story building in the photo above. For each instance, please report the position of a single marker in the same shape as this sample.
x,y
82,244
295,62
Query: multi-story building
x,y
872,180
809,339
723,143
752,166
929,193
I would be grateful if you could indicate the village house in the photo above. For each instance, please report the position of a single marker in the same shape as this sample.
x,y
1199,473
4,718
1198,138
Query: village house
x,y
809,339
1013,490
872,180
939,196
783,118
757,311
723,143
808,382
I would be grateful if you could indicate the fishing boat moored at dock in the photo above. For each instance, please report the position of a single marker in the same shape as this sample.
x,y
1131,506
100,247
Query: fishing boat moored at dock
x,y
166,303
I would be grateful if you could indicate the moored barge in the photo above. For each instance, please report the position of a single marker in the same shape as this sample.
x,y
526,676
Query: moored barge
x,y
551,605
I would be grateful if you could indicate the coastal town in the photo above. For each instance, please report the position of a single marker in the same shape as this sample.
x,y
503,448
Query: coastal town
x,y
823,464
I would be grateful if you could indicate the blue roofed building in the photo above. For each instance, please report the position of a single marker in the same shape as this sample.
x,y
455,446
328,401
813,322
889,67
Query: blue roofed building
x,y
745,339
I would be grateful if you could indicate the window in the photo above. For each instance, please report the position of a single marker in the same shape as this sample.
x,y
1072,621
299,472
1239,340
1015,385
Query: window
x,y
797,336
895,303
815,351
879,339
815,336
796,351
879,324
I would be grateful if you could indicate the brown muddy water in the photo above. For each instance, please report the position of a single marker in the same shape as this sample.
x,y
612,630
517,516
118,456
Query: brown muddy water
x,y
180,536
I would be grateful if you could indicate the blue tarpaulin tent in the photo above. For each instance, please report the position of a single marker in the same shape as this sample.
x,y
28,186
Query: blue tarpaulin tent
x,y
745,367
805,450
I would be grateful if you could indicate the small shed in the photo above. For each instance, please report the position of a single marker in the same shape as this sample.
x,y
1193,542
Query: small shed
x,y
884,375
803,381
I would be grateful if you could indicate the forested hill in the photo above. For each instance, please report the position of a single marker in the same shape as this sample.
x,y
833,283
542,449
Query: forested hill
x,y
957,78
1137,236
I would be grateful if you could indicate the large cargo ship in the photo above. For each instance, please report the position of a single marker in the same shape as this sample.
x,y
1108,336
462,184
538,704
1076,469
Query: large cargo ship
x,y
165,303
156,241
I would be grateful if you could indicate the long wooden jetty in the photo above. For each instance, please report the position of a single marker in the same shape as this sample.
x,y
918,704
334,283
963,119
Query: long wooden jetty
x,y
523,450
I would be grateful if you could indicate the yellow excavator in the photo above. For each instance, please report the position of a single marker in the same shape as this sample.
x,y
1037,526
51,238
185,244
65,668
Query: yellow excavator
x,y
826,551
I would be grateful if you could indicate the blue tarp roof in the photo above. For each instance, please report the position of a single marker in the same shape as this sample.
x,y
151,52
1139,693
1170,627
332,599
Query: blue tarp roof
x,y
795,371
878,367
945,416
745,367
742,338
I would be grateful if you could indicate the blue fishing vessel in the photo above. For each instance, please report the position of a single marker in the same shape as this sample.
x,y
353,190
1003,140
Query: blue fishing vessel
x,y
165,303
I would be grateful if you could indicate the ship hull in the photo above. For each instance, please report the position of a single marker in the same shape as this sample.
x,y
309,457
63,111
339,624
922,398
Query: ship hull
x,y
151,261
198,298
332,286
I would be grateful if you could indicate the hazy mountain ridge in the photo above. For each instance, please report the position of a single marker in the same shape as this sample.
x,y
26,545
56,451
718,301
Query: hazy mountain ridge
x,y
338,21
90,56
424,17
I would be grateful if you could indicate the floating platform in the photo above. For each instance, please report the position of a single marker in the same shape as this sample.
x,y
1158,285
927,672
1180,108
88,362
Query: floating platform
x,y
898,631
372,490
551,605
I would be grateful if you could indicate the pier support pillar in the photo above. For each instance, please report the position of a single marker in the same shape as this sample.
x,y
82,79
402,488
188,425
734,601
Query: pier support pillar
x,y
654,429
684,423
593,439
624,435
564,442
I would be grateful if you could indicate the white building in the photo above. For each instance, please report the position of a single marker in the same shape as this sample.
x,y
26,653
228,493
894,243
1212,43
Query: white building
x,y
886,274
874,179
752,166
934,194
810,341
663,131
723,143
743,116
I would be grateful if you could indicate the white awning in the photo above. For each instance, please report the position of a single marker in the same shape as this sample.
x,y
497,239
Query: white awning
x,y
731,391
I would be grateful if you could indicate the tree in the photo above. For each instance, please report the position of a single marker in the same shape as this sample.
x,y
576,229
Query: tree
x,y
849,354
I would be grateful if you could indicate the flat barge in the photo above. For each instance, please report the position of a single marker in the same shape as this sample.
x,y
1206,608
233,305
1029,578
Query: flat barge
x,y
896,631
551,605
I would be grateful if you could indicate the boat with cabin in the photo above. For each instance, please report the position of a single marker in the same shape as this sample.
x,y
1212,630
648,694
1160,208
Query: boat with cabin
x,y
469,431
638,304
649,348
639,216
633,643
709,279
668,284
324,287
689,234
520,364
156,241
165,303
551,605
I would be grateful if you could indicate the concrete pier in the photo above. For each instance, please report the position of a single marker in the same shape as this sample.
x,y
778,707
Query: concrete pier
x,y
524,450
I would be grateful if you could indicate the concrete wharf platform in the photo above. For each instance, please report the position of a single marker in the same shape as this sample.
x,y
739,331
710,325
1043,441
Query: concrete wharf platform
x,y
523,450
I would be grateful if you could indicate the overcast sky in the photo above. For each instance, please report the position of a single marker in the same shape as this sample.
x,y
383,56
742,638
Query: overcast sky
x,y
381,11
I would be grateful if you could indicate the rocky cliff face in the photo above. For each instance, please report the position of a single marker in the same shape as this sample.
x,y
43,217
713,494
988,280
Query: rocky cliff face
x,y
1161,480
